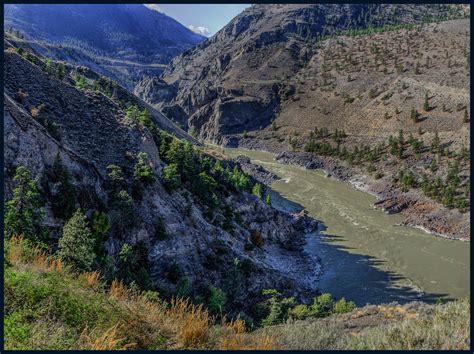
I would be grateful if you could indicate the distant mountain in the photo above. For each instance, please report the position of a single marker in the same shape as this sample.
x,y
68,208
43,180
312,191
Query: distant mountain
x,y
252,71
121,41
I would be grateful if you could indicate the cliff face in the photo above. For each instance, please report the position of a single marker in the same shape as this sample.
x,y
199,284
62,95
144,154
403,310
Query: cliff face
x,y
239,80
92,132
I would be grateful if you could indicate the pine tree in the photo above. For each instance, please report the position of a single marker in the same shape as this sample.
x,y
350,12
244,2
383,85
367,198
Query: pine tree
x,y
143,172
426,105
63,202
60,71
76,246
24,214
171,177
274,126
465,117
401,144
435,144
414,115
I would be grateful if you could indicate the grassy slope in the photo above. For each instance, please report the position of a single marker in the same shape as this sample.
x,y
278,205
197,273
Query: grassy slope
x,y
49,307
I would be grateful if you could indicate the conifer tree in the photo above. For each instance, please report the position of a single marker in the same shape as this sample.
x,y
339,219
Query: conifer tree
x,y
63,202
76,246
24,214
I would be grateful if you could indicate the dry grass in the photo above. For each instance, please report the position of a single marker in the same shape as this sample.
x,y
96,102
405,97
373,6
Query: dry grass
x,y
236,338
15,253
108,340
117,290
130,320
192,322
92,279
19,252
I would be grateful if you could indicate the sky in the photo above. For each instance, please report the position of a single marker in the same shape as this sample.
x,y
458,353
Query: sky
x,y
205,19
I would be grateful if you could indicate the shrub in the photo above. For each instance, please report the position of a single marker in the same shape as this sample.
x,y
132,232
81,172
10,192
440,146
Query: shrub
x,y
322,305
278,307
216,300
343,306
80,82
143,172
173,273
133,265
100,223
183,289
299,312
228,224
268,199
204,187
249,246
257,190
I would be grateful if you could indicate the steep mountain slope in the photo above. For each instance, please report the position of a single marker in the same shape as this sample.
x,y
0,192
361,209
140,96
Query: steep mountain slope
x,y
120,41
181,239
238,80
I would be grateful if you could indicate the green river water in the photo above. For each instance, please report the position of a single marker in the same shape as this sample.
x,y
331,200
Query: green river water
x,y
365,257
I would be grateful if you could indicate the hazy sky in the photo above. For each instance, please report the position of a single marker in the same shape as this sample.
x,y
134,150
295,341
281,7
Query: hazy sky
x,y
205,19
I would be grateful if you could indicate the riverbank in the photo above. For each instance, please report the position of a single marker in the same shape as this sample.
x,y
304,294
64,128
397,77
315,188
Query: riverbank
x,y
365,255
418,210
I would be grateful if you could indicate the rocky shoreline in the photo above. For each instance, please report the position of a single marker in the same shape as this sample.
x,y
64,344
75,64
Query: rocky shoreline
x,y
418,210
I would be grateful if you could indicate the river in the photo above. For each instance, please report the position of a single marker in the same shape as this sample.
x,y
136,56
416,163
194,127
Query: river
x,y
365,256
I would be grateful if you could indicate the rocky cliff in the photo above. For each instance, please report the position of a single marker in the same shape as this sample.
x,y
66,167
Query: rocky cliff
x,y
46,116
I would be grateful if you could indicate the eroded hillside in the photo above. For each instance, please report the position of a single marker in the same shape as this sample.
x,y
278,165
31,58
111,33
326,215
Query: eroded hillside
x,y
165,215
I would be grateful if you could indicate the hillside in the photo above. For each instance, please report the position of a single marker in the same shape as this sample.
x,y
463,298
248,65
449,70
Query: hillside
x,y
260,63
123,42
49,307
160,214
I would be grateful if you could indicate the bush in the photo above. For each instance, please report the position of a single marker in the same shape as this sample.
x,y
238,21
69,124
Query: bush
x,y
142,170
216,300
322,305
257,190
278,307
299,312
343,306
204,187
133,265
173,273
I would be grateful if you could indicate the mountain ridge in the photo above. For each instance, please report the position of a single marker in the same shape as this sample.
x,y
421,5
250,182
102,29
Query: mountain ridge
x,y
103,36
